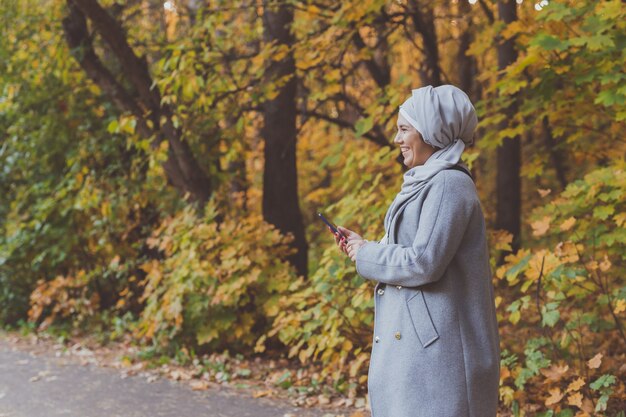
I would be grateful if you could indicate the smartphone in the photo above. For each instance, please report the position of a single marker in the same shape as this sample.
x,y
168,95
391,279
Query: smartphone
x,y
330,224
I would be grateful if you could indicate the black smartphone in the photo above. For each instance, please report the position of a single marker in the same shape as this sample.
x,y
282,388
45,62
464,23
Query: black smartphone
x,y
330,224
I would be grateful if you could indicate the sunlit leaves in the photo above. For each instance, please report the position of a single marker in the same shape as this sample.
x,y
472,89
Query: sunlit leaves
x,y
207,276
576,289
540,227
569,71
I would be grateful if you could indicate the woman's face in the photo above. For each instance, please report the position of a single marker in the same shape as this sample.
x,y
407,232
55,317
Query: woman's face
x,y
414,150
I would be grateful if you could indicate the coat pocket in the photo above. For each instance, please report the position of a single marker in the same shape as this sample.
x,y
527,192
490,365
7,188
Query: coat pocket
x,y
420,316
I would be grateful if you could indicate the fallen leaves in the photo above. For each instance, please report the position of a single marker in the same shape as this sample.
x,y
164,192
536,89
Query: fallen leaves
x,y
199,385
262,393
555,396
595,362
575,399
45,375
555,372
575,385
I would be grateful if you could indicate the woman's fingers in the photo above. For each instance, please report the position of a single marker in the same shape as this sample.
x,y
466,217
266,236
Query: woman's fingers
x,y
346,232
341,242
352,253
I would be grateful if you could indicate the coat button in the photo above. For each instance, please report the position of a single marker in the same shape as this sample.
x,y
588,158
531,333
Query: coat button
x,y
398,286
398,335
381,291
376,339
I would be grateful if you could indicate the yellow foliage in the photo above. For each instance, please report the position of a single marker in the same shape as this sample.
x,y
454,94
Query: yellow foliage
x,y
542,263
215,282
567,252
568,223
541,226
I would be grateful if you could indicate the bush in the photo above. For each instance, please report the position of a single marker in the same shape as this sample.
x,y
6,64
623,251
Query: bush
x,y
217,284
330,317
569,299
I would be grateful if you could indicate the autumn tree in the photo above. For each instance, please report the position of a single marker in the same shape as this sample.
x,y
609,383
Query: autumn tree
x,y
280,175
154,120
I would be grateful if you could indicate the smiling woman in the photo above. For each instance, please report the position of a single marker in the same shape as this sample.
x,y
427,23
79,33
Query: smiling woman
x,y
436,346
414,150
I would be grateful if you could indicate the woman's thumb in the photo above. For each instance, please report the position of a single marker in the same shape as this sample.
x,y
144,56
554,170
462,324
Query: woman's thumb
x,y
344,231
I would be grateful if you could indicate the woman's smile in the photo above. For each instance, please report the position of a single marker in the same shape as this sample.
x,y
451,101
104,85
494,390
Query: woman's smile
x,y
414,150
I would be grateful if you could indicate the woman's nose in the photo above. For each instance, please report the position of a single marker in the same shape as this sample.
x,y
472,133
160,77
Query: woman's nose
x,y
396,139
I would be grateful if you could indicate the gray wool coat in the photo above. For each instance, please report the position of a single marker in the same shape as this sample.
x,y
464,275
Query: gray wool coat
x,y
436,348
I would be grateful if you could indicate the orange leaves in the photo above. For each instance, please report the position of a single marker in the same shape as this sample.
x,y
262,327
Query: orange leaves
x,y
605,264
555,396
542,263
567,252
501,240
575,399
567,224
555,376
62,297
595,362
544,193
541,226
555,372
576,385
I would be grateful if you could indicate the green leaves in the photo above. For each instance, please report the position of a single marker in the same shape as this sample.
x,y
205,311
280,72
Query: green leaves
x,y
603,384
550,314
363,126
548,42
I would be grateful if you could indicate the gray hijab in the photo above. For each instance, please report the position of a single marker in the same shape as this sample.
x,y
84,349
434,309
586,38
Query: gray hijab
x,y
446,118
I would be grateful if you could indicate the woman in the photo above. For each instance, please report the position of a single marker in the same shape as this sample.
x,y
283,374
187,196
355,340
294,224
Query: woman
x,y
436,350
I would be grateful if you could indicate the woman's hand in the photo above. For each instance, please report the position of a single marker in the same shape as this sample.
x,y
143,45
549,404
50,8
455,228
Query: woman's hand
x,y
351,243
340,241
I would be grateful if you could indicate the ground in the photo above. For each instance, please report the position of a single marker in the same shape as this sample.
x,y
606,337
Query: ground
x,y
42,378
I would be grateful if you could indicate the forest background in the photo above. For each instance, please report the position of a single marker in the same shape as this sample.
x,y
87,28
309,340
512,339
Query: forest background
x,y
162,165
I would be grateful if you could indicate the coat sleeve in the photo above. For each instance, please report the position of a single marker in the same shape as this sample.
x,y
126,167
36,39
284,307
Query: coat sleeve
x,y
445,214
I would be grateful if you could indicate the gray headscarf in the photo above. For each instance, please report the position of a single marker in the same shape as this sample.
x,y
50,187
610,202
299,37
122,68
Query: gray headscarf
x,y
445,117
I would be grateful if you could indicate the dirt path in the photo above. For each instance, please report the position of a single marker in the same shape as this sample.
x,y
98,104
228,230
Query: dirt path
x,y
43,384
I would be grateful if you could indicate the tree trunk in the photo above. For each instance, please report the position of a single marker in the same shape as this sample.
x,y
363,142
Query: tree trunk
x,y
423,19
508,185
467,66
182,169
280,176
558,162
